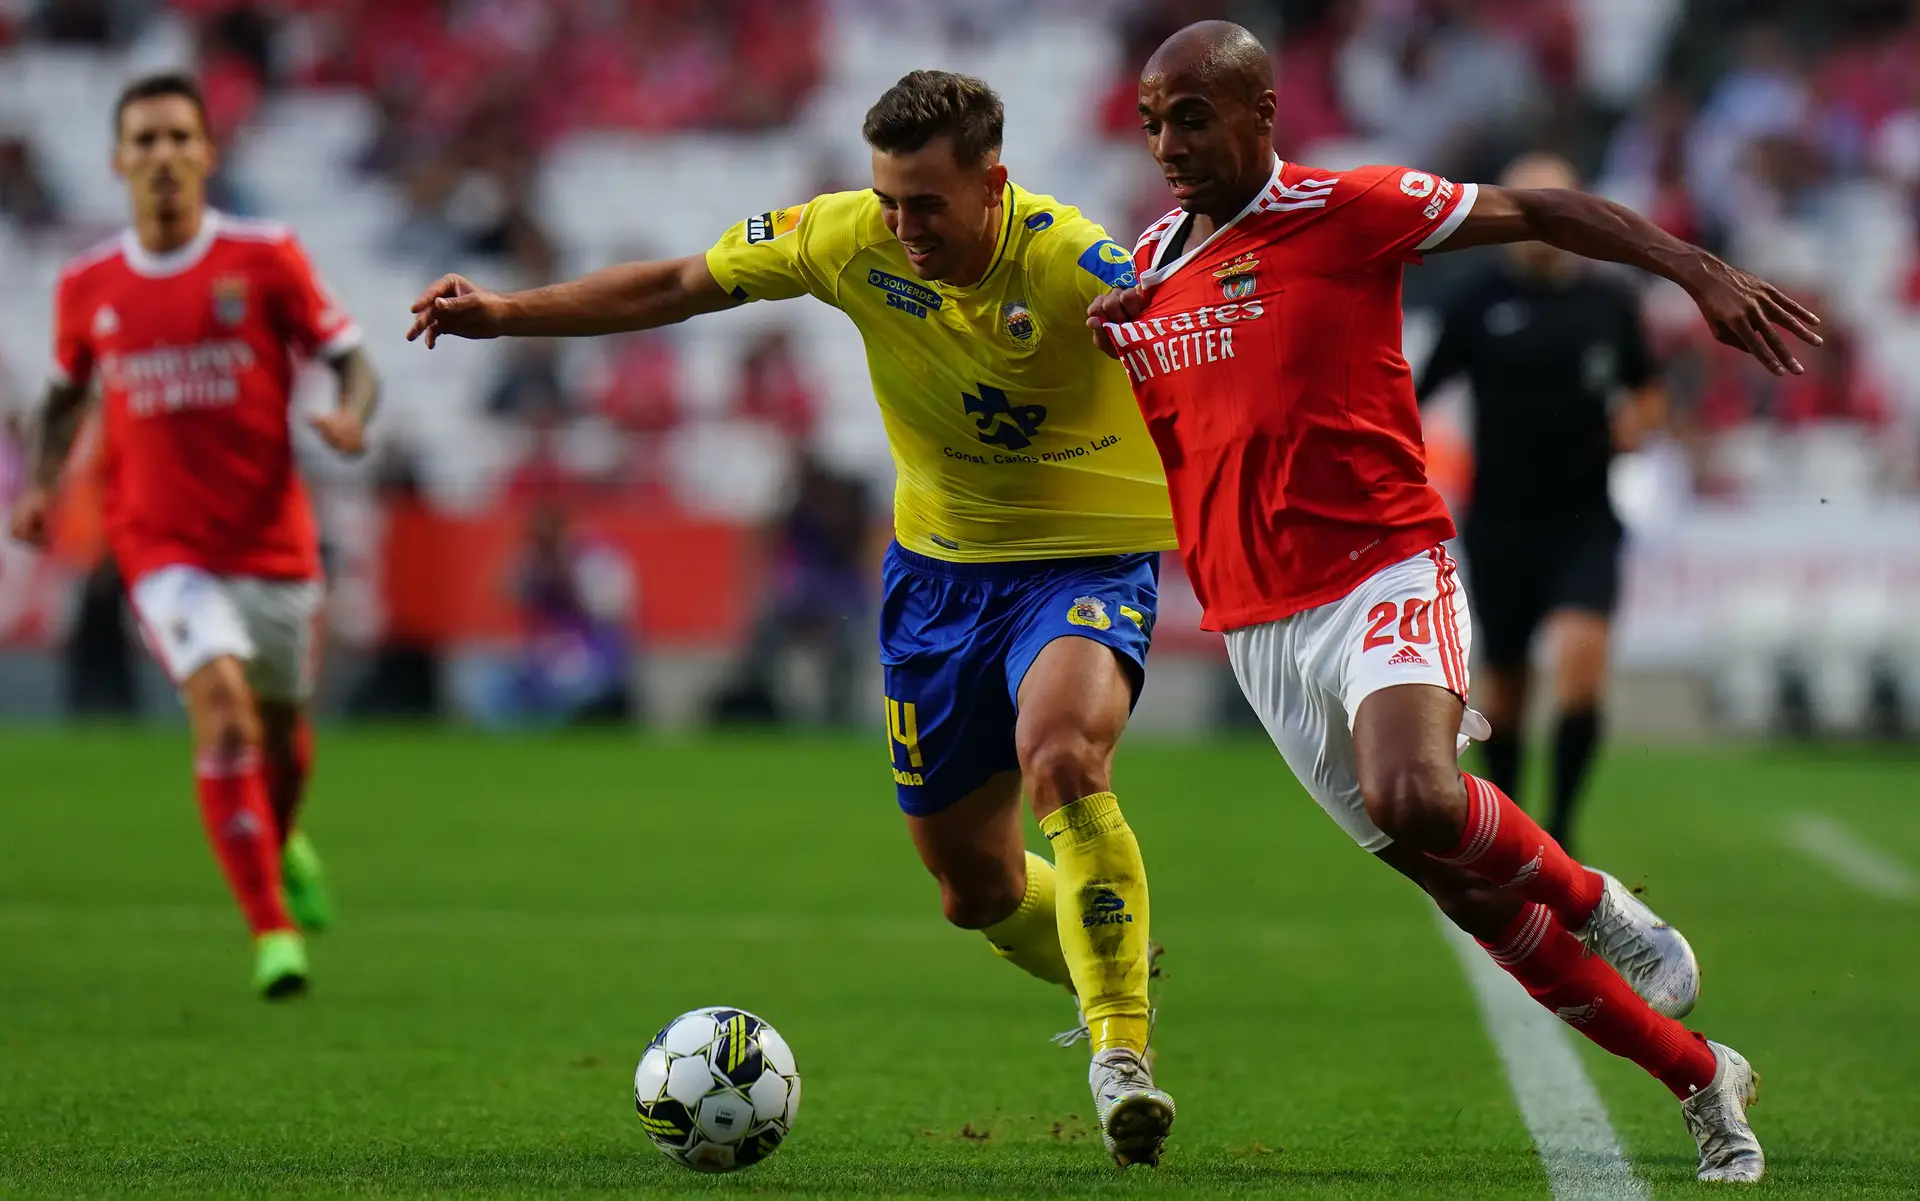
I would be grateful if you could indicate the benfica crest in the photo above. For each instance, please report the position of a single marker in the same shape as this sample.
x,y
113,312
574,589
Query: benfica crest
x,y
230,299
1237,277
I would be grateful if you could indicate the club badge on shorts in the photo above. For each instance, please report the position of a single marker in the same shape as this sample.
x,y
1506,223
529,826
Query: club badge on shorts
x,y
1089,611
1237,278
230,299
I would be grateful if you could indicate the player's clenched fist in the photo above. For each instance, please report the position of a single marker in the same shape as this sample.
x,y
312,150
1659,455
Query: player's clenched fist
x,y
452,305
29,524
1121,304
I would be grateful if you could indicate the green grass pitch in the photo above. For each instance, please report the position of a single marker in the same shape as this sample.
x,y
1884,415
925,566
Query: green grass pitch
x,y
517,918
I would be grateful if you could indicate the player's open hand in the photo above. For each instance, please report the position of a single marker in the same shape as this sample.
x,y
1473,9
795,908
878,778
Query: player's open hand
x,y
343,430
1121,304
452,305
1748,313
30,520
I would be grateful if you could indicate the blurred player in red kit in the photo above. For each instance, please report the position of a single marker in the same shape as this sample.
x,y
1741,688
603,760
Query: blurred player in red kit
x,y
1263,341
190,324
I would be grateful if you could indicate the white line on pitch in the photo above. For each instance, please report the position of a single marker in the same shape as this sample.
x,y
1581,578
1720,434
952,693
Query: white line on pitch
x,y
1858,862
1563,1113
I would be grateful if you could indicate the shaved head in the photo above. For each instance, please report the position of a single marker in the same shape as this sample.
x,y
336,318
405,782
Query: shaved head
x,y
1207,107
1216,57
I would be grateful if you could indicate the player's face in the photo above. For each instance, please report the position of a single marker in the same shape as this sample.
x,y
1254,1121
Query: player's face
x,y
163,154
941,210
1210,147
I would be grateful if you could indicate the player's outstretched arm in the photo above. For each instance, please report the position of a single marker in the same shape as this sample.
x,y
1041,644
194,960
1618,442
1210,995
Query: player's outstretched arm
x,y
60,420
1743,310
610,301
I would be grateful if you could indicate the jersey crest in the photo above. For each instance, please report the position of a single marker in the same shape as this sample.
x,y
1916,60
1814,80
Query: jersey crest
x,y
230,299
1016,320
1237,278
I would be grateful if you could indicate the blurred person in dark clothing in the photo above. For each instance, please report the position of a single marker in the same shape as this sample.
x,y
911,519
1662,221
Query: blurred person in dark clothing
x,y
25,197
575,660
403,680
83,22
99,654
529,383
1562,379
818,591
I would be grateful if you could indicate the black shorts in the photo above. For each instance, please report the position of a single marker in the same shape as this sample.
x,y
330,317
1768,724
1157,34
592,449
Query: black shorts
x,y
1519,569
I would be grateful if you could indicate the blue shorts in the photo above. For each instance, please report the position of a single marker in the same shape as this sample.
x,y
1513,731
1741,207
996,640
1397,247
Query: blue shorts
x,y
956,639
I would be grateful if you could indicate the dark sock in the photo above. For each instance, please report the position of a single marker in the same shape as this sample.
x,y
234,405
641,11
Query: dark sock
x,y
1575,736
1501,754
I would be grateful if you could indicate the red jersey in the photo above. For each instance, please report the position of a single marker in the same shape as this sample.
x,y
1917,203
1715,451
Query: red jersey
x,y
1268,367
194,352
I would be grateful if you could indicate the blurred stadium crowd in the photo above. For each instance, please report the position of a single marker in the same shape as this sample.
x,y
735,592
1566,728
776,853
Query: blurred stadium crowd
x,y
520,141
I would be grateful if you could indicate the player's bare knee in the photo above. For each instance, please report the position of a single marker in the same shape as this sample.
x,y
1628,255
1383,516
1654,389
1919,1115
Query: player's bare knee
x,y
1062,765
226,725
1417,802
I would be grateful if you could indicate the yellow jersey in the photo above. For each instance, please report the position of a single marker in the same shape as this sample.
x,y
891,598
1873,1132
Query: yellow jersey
x,y
1013,437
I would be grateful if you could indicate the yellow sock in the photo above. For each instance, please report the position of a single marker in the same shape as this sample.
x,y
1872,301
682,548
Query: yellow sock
x,y
1030,938
1102,916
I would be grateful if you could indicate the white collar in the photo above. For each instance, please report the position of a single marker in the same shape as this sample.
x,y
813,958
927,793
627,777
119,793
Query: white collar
x,y
173,262
1161,271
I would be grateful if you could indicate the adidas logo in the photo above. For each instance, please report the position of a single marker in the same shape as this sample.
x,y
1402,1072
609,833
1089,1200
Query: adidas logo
x,y
1407,656
1528,870
106,322
1578,1015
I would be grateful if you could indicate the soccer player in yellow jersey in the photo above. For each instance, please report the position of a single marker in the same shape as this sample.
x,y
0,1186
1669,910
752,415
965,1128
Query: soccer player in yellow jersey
x,y
1029,516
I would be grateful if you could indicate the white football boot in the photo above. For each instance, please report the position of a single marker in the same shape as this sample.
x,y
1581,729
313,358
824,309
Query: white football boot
x,y
1134,1115
1651,956
1717,1117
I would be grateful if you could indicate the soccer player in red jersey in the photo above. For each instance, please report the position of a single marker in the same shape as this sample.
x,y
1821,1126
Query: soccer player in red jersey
x,y
1263,341
190,324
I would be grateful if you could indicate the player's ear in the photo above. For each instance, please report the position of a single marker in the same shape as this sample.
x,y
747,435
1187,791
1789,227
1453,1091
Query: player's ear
x,y
996,181
1264,110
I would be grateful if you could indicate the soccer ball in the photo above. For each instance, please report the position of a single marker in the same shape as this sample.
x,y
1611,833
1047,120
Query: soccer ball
x,y
717,1089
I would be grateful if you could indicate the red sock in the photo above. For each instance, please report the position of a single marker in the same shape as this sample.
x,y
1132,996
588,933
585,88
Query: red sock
x,y
1591,997
1504,846
241,829
287,778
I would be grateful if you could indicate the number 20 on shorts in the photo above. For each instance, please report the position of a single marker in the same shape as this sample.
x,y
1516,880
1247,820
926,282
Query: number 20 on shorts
x,y
1416,623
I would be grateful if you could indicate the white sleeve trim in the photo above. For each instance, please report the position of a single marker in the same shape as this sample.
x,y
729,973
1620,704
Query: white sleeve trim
x,y
1468,193
349,338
